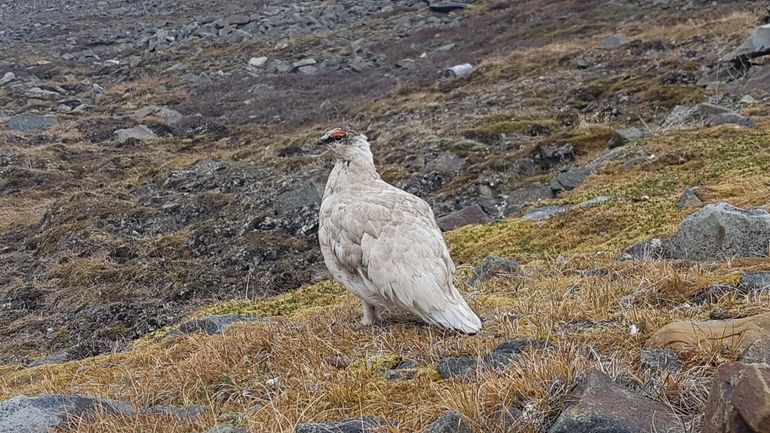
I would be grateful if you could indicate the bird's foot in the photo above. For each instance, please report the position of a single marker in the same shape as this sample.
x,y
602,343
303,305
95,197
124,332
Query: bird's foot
x,y
370,315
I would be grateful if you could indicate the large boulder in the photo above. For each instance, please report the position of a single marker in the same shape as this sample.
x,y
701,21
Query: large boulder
x,y
473,214
597,404
42,413
756,45
739,401
721,231
29,122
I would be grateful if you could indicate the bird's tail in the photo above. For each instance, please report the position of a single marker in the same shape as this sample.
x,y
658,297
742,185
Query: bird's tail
x,y
459,317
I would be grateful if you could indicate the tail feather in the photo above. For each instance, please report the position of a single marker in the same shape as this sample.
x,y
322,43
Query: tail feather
x,y
459,317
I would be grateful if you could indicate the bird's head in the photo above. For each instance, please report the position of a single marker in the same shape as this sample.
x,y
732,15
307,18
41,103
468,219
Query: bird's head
x,y
346,145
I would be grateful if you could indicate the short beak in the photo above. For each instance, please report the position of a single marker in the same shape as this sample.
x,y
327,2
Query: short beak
x,y
320,141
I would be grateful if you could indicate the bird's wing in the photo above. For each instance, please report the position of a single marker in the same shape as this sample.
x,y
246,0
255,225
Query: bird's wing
x,y
404,257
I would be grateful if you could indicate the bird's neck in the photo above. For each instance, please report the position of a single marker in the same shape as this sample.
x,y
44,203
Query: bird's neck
x,y
351,172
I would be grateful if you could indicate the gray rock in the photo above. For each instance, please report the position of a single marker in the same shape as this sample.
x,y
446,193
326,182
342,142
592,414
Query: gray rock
x,y
451,422
237,20
731,119
654,249
660,359
308,70
614,41
720,231
500,357
447,6
170,117
445,162
491,266
59,357
687,116
754,282
406,63
757,353
184,413
306,195
545,212
7,78
140,133
38,93
551,156
226,428
367,424
621,137
738,399
597,404
756,45
526,195
689,198
257,62
213,324
29,122
756,83
42,413
308,61
570,179
473,214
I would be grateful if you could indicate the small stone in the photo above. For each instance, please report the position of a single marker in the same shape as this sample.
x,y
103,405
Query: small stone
x,y
237,20
748,100
597,404
39,93
226,428
654,249
257,62
367,424
140,133
545,212
7,78
308,70
621,137
473,214
308,61
492,266
184,413
451,422
689,198
406,63
570,179
660,359
739,401
615,41
457,367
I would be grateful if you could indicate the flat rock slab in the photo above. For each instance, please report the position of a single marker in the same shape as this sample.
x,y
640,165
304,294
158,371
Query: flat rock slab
x,y
623,136
473,214
721,231
597,404
545,212
739,401
733,333
29,122
40,414
758,44
367,424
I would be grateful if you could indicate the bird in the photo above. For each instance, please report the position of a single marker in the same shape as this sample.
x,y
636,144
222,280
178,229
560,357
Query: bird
x,y
383,244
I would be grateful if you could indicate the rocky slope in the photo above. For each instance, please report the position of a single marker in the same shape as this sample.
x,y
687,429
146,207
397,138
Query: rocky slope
x,y
156,170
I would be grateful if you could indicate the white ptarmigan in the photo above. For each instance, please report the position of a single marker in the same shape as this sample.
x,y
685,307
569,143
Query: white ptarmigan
x,y
383,243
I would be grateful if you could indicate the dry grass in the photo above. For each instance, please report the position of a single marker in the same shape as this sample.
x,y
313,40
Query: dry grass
x,y
271,376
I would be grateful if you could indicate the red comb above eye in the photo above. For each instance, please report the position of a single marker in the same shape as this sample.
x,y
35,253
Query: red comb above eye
x,y
338,133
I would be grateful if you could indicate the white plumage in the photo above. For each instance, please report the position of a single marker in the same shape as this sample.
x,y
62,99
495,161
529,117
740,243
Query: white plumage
x,y
383,243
